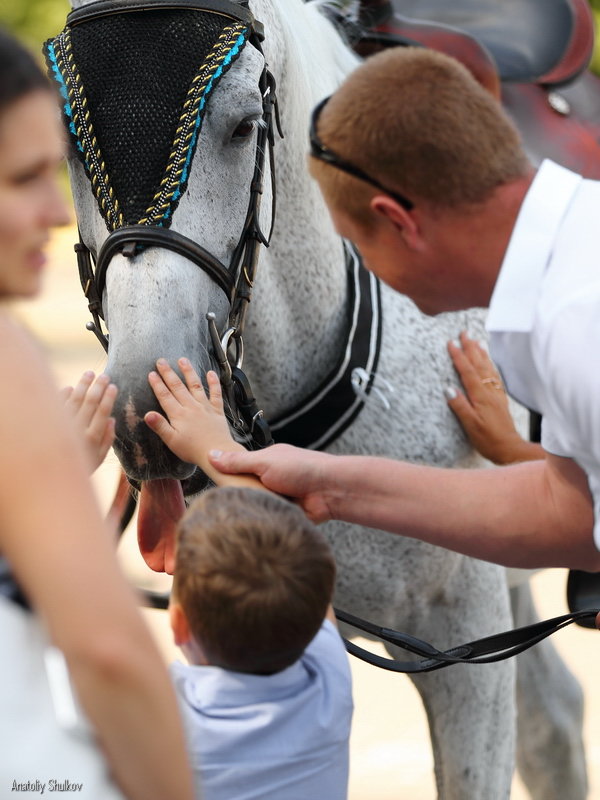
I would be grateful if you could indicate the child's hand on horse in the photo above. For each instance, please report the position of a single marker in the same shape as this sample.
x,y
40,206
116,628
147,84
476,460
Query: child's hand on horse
x,y
194,423
90,404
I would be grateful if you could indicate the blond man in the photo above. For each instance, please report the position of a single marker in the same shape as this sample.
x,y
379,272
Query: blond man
x,y
422,170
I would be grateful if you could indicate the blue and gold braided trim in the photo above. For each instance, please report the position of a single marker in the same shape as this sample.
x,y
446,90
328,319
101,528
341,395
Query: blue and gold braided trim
x,y
63,69
224,52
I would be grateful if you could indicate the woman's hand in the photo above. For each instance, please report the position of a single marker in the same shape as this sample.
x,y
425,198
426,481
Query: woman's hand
x,y
90,405
483,409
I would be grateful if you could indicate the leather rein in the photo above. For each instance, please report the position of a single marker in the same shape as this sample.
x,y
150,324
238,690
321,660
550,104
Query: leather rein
x,y
487,650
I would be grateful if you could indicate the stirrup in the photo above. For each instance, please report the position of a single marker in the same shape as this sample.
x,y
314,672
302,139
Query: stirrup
x,y
583,592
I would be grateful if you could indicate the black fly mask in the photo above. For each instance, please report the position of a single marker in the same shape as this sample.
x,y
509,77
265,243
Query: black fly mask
x,y
135,87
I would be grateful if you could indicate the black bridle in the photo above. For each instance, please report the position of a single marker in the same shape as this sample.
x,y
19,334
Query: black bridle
x,y
237,279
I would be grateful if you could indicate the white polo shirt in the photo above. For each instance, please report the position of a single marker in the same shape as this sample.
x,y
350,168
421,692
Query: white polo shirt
x,y
271,737
544,316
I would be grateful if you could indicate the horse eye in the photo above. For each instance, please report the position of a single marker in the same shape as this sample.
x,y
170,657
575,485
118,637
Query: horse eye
x,y
244,129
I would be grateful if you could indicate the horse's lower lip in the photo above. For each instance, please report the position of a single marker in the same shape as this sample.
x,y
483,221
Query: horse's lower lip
x,y
195,483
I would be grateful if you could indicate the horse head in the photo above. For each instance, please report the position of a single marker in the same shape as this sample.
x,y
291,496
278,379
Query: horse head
x,y
167,110
146,149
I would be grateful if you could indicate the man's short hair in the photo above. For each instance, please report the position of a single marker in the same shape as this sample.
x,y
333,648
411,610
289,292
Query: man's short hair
x,y
254,578
419,122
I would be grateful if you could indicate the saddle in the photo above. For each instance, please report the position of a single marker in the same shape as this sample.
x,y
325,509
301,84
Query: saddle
x,y
549,43
531,55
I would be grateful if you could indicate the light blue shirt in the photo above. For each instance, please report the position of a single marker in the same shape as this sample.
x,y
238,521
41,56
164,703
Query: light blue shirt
x,y
544,316
271,737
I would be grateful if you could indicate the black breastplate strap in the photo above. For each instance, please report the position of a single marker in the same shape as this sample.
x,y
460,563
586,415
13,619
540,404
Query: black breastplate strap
x,y
319,419
481,651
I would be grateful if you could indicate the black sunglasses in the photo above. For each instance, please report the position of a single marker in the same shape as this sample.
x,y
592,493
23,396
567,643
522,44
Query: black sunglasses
x,y
321,152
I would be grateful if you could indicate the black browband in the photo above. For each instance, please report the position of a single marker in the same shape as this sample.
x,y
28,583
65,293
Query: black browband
x,y
106,8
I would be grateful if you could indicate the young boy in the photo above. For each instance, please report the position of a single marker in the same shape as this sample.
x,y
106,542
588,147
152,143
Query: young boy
x,y
266,697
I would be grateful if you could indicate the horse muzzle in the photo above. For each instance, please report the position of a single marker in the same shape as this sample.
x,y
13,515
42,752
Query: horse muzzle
x,y
141,452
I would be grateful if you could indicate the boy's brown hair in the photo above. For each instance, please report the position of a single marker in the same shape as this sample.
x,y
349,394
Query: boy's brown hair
x,y
254,578
419,122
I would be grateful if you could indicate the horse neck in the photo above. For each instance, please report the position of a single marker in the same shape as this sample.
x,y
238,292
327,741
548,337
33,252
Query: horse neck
x,y
298,319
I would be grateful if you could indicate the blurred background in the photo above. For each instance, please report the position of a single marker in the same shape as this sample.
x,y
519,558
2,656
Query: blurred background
x,y
390,751
36,20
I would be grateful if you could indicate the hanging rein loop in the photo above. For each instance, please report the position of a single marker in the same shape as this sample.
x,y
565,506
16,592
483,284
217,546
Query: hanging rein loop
x,y
487,650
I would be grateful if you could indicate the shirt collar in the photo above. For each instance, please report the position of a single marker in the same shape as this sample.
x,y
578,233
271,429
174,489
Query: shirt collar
x,y
207,686
513,302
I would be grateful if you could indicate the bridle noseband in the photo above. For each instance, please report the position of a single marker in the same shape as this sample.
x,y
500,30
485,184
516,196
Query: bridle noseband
x,y
237,279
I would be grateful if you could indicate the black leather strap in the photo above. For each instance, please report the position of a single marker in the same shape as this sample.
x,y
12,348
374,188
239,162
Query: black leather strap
x,y
481,651
323,416
104,8
132,239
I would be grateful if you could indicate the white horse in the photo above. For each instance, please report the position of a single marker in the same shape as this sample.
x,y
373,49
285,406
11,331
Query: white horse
x,y
155,304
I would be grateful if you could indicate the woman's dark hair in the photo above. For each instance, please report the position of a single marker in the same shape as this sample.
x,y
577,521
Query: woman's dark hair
x,y
19,71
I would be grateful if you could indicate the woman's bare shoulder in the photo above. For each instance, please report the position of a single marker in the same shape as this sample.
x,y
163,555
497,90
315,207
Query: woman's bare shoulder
x,y
18,344
14,331
26,378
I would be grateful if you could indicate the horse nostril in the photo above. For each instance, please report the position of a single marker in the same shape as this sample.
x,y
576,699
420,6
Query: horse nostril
x,y
145,457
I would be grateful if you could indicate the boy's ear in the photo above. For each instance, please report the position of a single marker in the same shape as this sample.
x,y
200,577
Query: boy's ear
x,y
179,624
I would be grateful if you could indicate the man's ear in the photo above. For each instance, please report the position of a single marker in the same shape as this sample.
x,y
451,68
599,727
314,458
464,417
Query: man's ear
x,y
405,222
179,624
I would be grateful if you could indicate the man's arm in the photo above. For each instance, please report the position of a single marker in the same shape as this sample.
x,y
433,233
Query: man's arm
x,y
535,514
